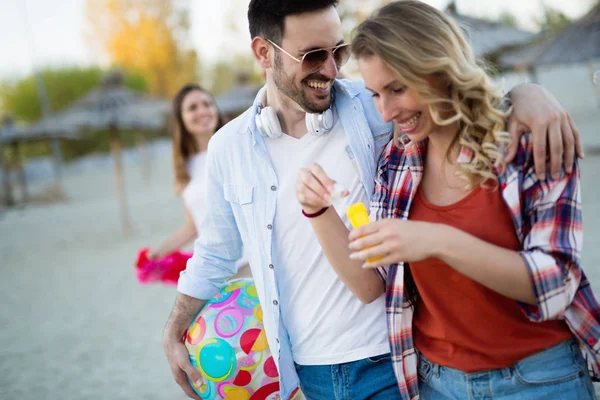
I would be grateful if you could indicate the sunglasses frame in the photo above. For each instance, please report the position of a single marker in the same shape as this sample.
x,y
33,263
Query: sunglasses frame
x,y
330,53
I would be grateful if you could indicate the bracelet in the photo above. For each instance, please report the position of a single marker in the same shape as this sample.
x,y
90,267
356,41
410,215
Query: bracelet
x,y
315,215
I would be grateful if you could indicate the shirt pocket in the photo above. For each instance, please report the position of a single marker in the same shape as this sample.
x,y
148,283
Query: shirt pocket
x,y
241,198
238,194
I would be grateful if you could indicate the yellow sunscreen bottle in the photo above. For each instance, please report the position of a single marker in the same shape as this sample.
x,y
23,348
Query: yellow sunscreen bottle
x,y
358,216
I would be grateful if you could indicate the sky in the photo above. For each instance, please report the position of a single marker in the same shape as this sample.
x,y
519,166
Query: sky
x,y
39,33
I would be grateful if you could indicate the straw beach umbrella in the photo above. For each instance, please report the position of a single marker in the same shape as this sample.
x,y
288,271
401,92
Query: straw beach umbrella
x,y
578,43
488,38
114,108
12,136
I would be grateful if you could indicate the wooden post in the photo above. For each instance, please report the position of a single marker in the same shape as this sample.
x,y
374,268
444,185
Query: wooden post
x,y
596,87
140,141
21,173
9,200
115,149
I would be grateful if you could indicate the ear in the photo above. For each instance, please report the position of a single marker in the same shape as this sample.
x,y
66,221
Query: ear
x,y
261,50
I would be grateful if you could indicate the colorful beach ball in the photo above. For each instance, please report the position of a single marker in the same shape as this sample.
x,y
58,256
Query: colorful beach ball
x,y
228,345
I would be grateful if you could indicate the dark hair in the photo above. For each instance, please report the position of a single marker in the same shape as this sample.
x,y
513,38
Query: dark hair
x,y
267,17
184,145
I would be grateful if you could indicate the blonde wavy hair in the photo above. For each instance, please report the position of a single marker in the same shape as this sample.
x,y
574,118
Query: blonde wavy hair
x,y
417,41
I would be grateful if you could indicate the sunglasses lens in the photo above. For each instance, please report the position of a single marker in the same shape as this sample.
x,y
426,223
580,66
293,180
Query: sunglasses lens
x,y
314,59
341,55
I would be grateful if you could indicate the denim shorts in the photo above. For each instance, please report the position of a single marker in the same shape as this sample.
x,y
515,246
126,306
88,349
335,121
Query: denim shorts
x,y
372,378
557,373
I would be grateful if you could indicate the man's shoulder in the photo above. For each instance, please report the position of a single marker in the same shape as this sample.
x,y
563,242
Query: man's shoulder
x,y
353,87
231,133
358,90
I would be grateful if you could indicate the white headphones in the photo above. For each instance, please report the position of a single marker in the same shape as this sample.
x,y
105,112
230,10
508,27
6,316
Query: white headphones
x,y
268,124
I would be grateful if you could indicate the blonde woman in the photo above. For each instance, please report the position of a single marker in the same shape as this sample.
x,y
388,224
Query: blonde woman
x,y
485,294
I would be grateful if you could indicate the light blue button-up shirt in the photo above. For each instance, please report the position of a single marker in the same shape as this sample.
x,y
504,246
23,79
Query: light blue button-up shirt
x,y
241,204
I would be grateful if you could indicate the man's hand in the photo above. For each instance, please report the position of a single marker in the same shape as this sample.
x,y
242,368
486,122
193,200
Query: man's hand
x,y
183,314
536,110
314,189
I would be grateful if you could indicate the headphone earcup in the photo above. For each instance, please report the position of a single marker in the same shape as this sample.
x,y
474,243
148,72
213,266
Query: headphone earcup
x,y
319,124
268,124
312,123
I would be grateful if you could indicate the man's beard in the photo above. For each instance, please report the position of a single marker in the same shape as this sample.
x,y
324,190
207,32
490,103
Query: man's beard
x,y
286,86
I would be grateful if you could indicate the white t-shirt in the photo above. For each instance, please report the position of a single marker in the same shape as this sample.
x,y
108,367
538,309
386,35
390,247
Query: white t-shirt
x,y
194,194
327,324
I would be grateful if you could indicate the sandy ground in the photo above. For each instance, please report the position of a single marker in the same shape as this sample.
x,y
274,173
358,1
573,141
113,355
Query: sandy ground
x,y
75,324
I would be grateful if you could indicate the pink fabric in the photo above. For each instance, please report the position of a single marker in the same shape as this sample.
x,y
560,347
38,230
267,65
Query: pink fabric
x,y
165,270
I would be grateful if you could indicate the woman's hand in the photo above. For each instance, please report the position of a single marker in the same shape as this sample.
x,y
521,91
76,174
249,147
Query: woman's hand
x,y
396,240
153,254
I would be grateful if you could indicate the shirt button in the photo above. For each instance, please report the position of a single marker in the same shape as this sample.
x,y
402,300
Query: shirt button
x,y
277,340
271,266
269,227
273,188
275,302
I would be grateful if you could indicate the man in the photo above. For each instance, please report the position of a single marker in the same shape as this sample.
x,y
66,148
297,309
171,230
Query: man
x,y
316,329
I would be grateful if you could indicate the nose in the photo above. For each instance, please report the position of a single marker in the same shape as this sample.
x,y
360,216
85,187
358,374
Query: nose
x,y
329,68
387,109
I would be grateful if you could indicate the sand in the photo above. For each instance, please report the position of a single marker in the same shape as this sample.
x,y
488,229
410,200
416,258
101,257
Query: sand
x,y
75,322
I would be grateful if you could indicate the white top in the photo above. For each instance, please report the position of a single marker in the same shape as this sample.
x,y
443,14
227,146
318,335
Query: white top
x,y
194,194
327,324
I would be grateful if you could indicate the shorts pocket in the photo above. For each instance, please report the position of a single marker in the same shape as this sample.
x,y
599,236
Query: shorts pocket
x,y
425,370
380,358
549,367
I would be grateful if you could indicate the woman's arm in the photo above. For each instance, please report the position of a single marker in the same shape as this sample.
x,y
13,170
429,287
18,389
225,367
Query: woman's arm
x,y
545,274
182,236
313,191
499,269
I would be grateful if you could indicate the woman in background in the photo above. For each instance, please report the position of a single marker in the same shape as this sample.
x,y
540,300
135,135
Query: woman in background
x,y
195,119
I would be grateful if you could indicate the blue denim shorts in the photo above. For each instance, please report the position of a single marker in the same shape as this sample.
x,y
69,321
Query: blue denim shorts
x,y
372,378
557,373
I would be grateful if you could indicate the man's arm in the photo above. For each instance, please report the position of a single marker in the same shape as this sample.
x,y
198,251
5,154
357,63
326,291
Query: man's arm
x,y
184,311
555,136
214,261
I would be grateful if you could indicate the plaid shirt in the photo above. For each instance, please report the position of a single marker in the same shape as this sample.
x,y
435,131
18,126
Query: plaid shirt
x,y
547,219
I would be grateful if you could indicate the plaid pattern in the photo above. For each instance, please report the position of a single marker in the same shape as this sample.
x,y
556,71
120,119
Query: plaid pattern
x,y
548,222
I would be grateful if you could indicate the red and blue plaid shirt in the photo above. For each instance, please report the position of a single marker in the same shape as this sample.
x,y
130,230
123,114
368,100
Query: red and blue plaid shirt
x,y
547,219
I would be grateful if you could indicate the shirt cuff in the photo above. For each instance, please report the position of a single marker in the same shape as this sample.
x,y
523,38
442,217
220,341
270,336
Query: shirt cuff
x,y
198,289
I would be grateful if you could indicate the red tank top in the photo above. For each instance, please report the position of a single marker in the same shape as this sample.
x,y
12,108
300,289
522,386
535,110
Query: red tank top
x,y
460,323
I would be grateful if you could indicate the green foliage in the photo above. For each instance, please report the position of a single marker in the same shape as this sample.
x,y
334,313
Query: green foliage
x,y
64,85
226,74
20,100
508,19
552,20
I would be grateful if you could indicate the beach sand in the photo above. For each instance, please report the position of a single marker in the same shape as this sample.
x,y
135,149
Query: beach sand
x,y
75,322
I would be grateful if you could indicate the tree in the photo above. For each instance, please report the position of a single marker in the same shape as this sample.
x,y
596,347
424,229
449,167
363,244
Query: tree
x,y
241,69
149,36
64,85
552,20
353,12
508,19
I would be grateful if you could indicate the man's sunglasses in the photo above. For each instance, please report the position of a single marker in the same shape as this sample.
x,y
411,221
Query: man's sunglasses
x,y
314,59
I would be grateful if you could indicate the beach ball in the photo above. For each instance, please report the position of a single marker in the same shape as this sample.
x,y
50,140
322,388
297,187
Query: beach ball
x,y
228,345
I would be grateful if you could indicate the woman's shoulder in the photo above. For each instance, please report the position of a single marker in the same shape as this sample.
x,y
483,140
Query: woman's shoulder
x,y
401,151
